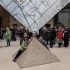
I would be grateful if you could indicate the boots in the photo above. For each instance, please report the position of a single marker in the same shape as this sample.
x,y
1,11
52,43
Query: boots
x,y
59,44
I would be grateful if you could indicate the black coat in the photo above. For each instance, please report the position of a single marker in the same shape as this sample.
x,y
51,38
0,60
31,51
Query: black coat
x,y
66,35
44,34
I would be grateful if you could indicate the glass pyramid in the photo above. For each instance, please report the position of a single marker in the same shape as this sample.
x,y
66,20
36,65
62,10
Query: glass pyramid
x,y
33,14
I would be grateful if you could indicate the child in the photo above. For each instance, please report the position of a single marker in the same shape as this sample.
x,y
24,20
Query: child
x,y
24,45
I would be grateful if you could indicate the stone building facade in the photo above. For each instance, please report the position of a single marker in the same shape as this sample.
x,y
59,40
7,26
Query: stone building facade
x,y
6,20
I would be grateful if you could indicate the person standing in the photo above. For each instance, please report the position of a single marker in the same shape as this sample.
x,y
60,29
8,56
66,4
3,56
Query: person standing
x,y
66,38
59,36
54,35
8,36
49,36
21,33
44,33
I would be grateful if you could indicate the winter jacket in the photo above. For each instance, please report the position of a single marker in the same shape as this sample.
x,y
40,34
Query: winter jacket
x,y
66,34
8,35
25,44
60,34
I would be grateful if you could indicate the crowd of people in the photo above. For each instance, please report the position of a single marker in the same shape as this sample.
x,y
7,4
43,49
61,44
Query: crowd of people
x,y
52,36
46,36
13,33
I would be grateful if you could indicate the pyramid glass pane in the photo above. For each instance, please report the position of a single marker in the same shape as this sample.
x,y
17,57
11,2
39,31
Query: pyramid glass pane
x,y
33,14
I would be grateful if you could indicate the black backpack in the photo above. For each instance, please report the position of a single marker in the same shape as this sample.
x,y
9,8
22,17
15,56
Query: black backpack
x,y
66,35
48,34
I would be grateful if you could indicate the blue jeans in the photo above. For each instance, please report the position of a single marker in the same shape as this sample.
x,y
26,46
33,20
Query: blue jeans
x,y
43,41
8,42
15,37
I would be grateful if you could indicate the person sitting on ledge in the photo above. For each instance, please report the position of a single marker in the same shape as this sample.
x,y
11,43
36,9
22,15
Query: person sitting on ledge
x,y
41,40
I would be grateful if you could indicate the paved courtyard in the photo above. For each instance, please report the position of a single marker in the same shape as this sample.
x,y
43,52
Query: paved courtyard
x,y
6,63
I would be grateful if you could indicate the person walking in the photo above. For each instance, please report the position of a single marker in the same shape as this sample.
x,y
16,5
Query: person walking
x,y
8,36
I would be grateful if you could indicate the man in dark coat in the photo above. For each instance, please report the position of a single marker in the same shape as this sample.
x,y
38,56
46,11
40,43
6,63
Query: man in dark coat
x,y
49,37
66,38
21,32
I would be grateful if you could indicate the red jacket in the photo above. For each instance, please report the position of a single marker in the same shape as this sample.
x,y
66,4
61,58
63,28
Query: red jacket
x,y
60,34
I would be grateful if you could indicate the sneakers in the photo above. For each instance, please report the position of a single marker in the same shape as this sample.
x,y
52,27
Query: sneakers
x,y
6,46
14,60
65,45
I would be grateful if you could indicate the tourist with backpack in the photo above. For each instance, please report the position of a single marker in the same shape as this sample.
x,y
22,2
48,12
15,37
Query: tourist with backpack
x,y
49,37
59,36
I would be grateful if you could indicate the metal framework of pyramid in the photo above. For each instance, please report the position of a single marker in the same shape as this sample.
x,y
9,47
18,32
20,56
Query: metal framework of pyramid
x,y
33,14
35,54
